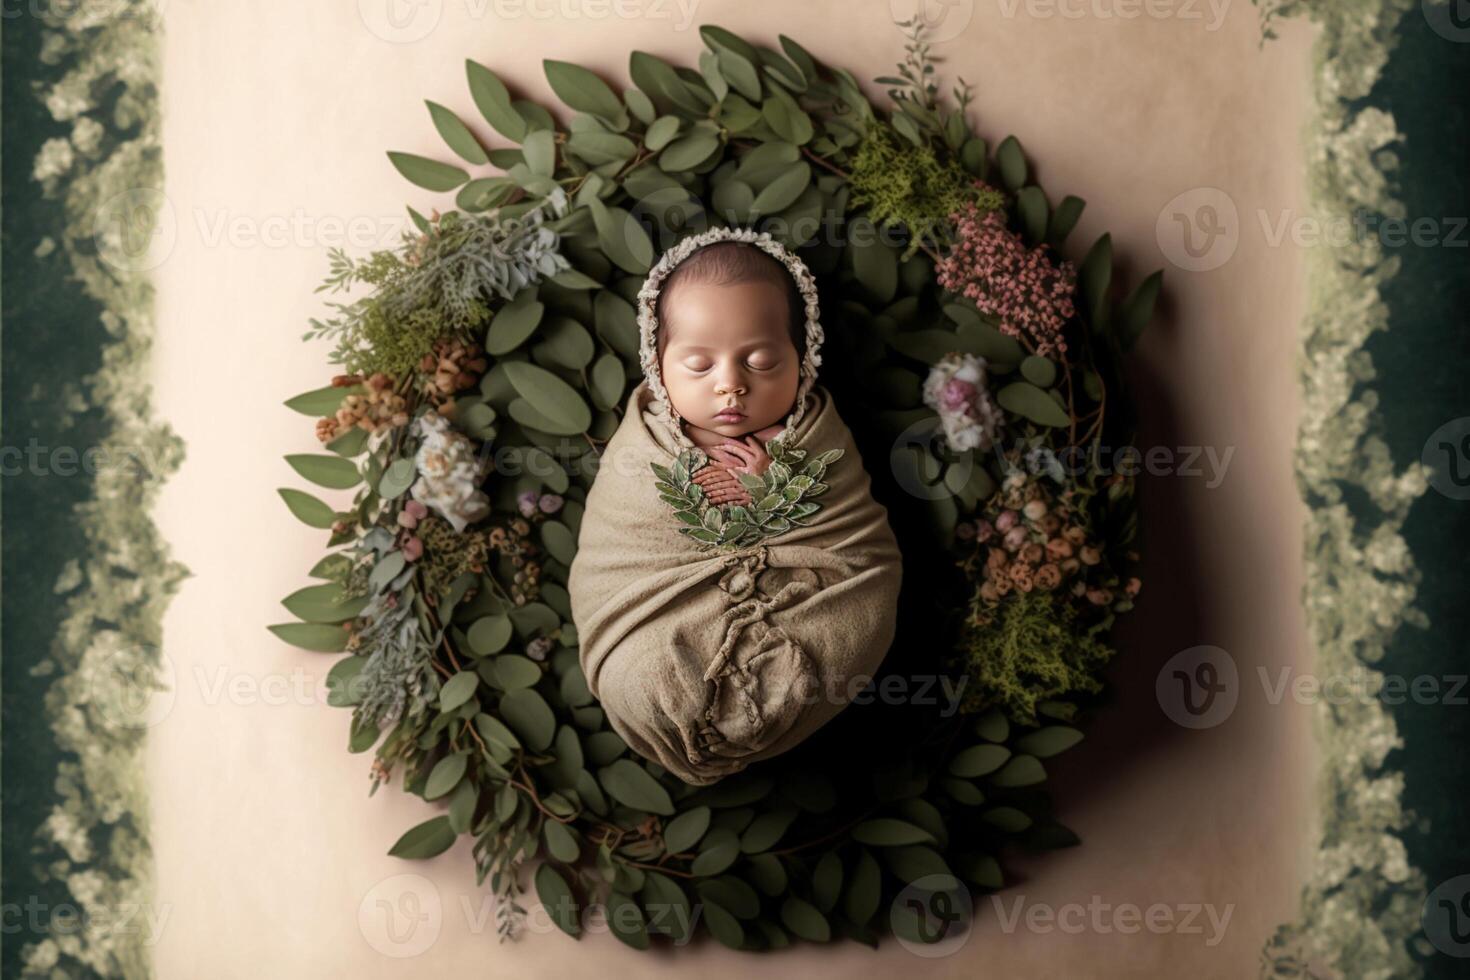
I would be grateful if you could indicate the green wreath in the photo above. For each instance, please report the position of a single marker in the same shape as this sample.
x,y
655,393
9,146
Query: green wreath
x,y
504,332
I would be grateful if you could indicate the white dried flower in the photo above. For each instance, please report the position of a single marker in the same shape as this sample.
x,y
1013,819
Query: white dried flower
x,y
957,390
450,472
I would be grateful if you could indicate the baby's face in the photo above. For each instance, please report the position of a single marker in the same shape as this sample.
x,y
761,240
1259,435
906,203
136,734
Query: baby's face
x,y
729,365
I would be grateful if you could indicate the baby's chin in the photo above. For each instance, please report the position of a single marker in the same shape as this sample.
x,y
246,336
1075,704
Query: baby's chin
x,y
735,430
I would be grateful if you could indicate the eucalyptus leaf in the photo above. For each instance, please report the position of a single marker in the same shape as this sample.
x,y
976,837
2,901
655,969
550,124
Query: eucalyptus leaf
x,y
308,509
332,472
429,839
1025,399
428,174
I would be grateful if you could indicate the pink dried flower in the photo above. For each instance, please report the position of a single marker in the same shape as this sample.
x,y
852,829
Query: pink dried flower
x,y
413,548
1006,520
527,502
956,395
990,265
550,503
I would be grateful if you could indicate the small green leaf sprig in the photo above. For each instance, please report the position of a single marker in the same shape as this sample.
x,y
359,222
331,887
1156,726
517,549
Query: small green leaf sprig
x,y
781,497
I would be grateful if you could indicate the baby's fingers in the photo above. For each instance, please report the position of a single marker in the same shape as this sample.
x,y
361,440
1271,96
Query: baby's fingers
x,y
740,449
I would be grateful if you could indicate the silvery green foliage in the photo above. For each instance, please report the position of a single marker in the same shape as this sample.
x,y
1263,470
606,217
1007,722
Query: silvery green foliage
x,y
397,676
477,254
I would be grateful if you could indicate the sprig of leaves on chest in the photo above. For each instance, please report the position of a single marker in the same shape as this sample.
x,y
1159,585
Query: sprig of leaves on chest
x,y
781,497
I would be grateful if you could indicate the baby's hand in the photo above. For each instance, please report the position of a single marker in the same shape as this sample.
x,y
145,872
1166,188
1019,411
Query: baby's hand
x,y
749,456
721,482
721,486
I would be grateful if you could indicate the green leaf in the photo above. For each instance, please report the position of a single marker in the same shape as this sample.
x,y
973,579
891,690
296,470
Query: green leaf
x,y
1012,163
1022,770
1034,211
492,729
494,102
723,926
342,690
978,760
786,117
350,443
457,135
716,857
561,843
559,407
740,73
308,510
428,839
1093,278
1138,308
864,889
323,604
514,322
556,896
320,637
782,191
428,174
489,634
1029,401
661,132
582,90
397,478
540,150
1064,219
625,919
688,152
559,540
322,401
1049,741
631,785
804,919
530,717
332,472
565,343
513,671
874,263
600,148
888,832
622,237
685,830
1007,818
484,193
607,381
1040,371
446,774
458,690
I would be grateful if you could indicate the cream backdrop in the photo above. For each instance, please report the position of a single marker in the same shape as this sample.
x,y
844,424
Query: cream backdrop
x,y
271,858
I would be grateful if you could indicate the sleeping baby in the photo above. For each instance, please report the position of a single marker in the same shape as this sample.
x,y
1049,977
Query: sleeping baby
x,y
735,583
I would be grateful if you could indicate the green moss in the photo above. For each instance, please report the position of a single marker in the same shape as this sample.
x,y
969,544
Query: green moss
x,y
1033,650
904,184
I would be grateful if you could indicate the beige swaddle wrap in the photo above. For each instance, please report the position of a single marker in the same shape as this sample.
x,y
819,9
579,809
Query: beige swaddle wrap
x,y
706,661
707,658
